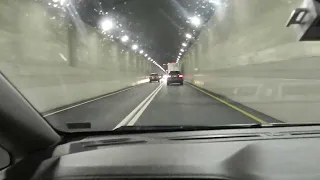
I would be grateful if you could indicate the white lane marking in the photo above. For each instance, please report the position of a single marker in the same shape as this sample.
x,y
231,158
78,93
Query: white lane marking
x,y
86,102
136,117
126,120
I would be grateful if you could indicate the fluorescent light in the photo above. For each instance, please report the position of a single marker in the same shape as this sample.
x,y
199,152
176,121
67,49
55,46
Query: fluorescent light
x,y
62,2
189,36
106,25
124,38
184,44
195,21
134,47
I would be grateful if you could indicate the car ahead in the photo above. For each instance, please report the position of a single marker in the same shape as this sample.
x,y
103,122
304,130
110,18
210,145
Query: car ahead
x,y
175,77
154,77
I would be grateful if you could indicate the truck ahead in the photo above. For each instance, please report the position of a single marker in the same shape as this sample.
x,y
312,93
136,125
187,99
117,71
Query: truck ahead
x,y
173,67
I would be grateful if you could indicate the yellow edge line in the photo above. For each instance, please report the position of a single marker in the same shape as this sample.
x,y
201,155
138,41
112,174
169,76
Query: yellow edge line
x,y
230,105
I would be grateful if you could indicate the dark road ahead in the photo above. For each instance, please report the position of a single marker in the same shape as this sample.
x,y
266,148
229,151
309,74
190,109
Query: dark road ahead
x,y
184,105
154,104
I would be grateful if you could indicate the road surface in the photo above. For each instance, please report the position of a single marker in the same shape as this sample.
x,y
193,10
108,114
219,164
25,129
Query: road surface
x,y
154,104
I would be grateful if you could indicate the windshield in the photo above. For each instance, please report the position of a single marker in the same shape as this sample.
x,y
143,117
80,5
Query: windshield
x,y
85,65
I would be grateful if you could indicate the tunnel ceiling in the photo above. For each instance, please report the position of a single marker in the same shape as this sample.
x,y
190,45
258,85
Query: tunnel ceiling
x,y
159,27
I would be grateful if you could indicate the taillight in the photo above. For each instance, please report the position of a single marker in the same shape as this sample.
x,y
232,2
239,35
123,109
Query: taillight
x,y
180,76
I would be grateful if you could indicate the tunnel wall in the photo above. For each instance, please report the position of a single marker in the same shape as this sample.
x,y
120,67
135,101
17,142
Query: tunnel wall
x,y
54,64
247,54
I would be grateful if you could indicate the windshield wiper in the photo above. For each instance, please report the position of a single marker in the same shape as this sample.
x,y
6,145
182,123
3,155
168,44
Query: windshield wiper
x,y
182,128
140,129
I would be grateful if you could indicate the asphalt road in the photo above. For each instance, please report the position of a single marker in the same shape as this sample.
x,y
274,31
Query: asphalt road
x,y
169,105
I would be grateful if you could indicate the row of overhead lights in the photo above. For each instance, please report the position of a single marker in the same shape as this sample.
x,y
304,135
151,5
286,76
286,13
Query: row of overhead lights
x,y
107,25
58,3
195,21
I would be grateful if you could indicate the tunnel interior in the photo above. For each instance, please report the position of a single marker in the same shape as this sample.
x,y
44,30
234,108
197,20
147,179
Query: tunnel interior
x,y
59,53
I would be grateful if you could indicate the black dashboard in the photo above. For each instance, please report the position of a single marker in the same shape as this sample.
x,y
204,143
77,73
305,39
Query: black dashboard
x,y
278,153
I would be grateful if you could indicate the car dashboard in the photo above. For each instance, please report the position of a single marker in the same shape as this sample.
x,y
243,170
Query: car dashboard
x,y
225,154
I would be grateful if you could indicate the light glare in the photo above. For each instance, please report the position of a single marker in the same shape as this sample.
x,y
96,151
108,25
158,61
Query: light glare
x,y
125,38
195,21
134,47
62,2
106,25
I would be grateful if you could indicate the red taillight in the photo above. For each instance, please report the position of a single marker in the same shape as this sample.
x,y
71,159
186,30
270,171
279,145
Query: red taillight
x,y
180,76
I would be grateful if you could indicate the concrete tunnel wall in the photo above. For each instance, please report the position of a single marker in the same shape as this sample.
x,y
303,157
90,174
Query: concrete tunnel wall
x,y
248,55
54,64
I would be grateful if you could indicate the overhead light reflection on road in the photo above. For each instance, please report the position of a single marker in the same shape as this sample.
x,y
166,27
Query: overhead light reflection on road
x,y
141,82
165,78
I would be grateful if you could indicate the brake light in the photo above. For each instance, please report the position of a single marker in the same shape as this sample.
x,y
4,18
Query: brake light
x,y
180,76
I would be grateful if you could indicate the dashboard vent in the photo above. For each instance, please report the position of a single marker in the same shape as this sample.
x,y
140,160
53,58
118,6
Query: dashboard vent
x,y
216,137
305,133
92,145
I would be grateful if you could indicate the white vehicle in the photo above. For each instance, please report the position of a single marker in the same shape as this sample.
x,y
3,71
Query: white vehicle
x,y
173,67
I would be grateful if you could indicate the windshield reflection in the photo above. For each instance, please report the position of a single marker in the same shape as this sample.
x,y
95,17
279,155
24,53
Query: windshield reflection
x,y
87,65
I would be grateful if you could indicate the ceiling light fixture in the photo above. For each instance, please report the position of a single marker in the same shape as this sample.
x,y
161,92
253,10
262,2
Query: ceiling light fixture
x,y
125,38
106,25
195,21
189,36
134,47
